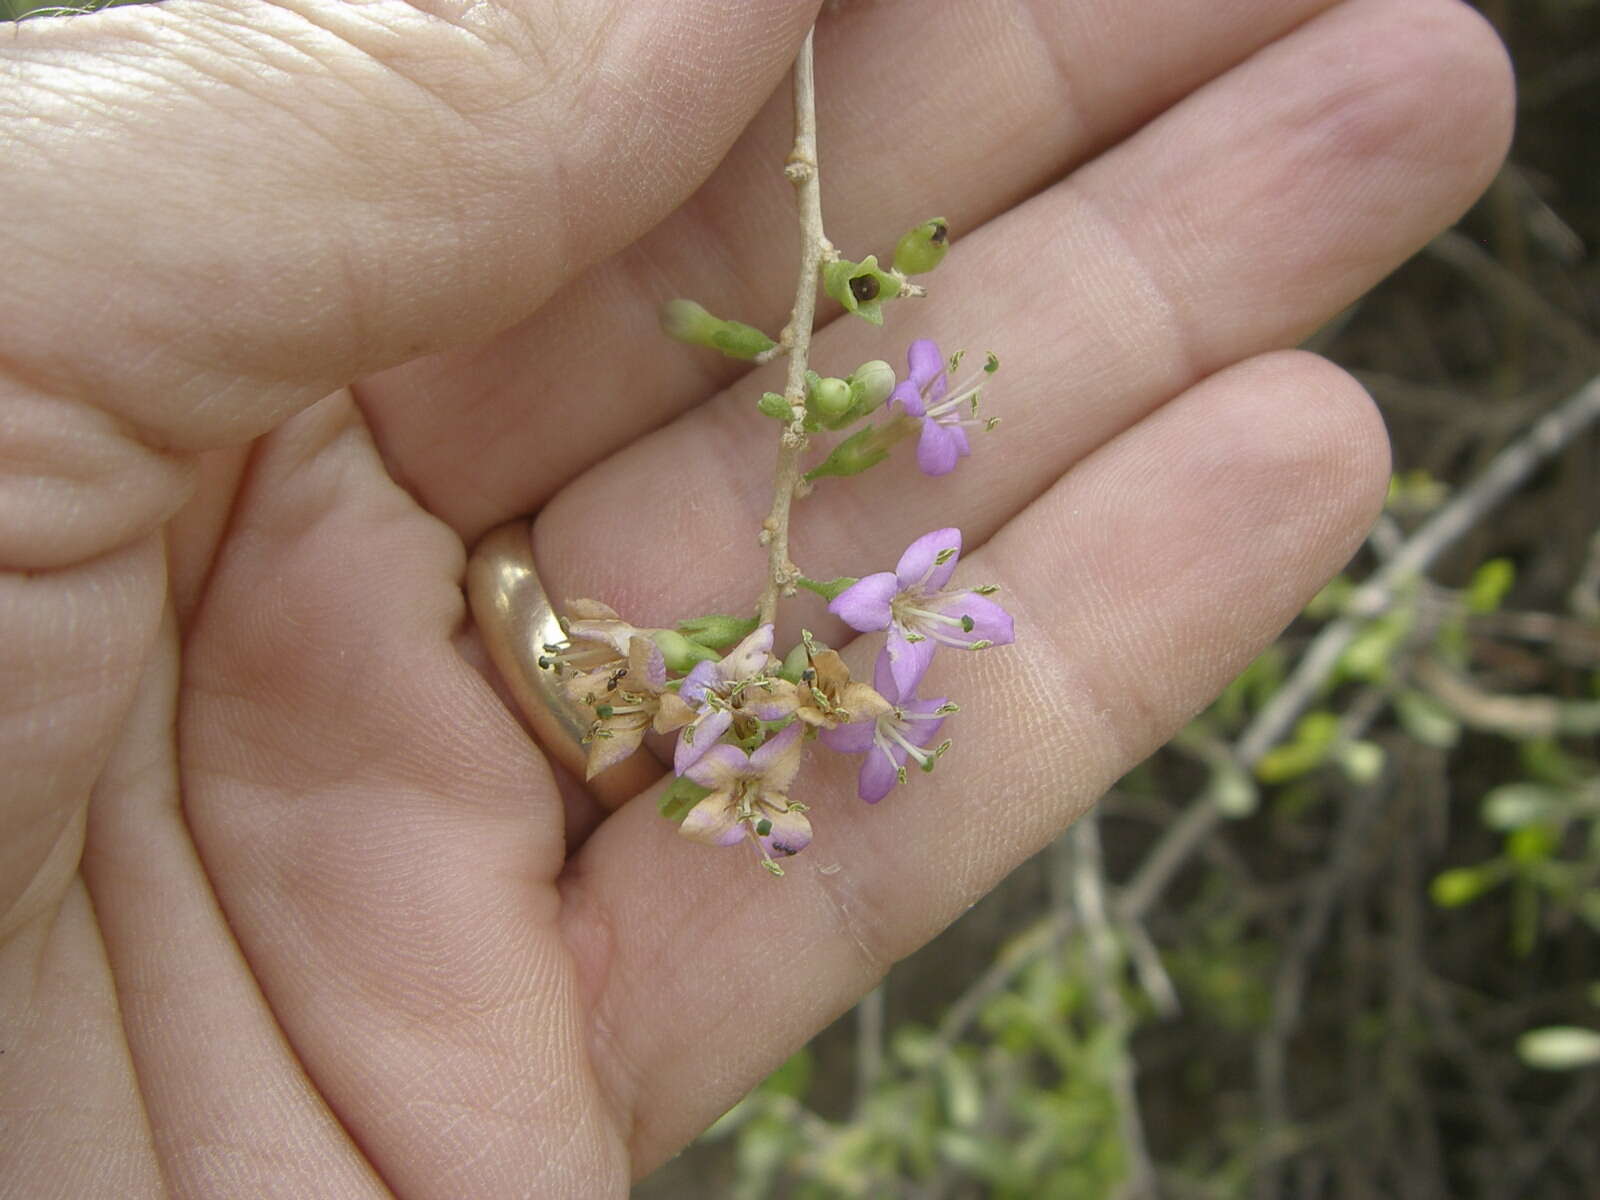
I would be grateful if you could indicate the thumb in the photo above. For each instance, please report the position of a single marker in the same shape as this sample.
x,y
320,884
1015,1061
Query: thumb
x,y
219,211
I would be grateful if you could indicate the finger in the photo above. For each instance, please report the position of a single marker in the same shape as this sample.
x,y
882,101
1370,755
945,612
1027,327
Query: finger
x,y
240,1115
259,202
382,837
951,107
1140,583
1235,223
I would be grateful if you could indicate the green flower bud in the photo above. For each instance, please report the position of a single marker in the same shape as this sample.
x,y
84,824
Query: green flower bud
x,y
795,661
775,406
870,385
923,248
686,321
854,455
829,401
679,652
717,630
860,286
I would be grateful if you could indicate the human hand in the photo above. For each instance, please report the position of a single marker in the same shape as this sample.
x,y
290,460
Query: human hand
x,y
289,902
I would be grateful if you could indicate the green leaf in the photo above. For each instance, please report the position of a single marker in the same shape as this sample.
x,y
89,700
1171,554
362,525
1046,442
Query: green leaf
x,y
682,795
1559,1048
1462,885
1426,720
829,589
1313,742
1489,585
1513,805
775,406
1531,844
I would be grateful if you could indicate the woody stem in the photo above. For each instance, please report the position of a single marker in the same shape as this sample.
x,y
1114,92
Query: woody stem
x,y
801,168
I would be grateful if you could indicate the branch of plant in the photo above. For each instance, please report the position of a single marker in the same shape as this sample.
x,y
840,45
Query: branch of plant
x,y
802,168
1507,472
1087,869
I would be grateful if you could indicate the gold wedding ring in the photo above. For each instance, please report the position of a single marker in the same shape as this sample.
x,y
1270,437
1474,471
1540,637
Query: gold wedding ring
x,y
516,622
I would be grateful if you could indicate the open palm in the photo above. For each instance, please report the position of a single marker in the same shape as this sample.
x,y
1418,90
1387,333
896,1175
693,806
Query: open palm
x,y
290,903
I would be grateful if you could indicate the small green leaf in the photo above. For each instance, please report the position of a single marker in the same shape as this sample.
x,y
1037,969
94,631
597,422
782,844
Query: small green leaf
x,y
775,406
680,796
1489,585
1513,805
1426,720
829,589
1461,885
1559,1048
1361,761
1531,844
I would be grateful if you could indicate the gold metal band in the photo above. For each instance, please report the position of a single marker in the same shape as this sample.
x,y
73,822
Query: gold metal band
x,y
516,621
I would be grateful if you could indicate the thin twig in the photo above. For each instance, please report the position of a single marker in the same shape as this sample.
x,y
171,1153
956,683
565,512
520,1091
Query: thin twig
x,y
1507,472
803,170
1089,900
869,1045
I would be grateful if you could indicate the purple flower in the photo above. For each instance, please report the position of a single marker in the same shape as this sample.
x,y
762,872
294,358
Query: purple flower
x,y
723,690
750,798
919,614
891,738
925,394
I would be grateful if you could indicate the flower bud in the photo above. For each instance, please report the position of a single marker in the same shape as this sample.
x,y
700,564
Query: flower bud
x,y
680,653
870,385
829,401
861,287
854,455
717,630
923,248
686,321
794,662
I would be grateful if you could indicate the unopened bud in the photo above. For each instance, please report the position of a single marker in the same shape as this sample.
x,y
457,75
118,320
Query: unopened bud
x,y
775,406
829,401
679,652
689,322
923,248
870,385
717,630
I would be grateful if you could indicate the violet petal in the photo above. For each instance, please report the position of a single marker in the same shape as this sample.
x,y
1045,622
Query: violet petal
x,y
909,399
937,451
924,361
918,566
879,774
990,622
698,738
864,605
849,739
713,821
908,660
790,832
